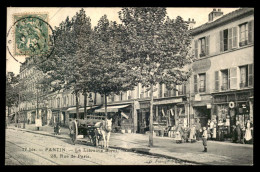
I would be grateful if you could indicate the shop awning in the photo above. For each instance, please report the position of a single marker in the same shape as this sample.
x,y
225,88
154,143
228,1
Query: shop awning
x,y
111,108
73,109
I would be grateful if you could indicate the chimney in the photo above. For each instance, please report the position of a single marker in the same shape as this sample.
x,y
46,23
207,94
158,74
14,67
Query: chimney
x,y
214,14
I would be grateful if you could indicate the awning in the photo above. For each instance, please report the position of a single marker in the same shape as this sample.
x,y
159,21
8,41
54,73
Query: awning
x,y
73,109
169,101
111,108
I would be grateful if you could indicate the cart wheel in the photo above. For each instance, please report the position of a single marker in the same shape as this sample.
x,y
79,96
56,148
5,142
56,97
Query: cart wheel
x,y
74,133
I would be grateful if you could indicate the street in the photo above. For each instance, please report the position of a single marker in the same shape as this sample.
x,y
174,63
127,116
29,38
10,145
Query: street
x,y
23,148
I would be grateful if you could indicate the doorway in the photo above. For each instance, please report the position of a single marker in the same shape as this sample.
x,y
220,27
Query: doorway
x,y
203,114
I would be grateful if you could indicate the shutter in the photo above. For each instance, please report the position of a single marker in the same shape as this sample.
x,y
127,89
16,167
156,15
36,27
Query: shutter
x,y
250,32
230,39
196,48
216,80
221,41
234,37
233,78
195,84
207,45
250,75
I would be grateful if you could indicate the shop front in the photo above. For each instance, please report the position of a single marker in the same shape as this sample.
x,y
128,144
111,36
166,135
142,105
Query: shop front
x,y
167,113
229,109
201,110
122,117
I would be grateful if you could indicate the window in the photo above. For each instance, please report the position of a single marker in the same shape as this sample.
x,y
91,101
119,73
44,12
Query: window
x,y
160,90
225,39
180,90
225,80
202,82
243,76
202,47
228,39
243,30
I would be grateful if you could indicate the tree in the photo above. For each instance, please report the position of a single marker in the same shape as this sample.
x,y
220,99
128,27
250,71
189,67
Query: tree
x,y
63,66
11,94
106,70
157,48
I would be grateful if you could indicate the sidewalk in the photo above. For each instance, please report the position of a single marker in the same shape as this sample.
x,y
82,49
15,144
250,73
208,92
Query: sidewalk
x,y
219,153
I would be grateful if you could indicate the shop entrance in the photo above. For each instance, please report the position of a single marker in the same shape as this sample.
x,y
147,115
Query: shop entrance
x,y
203,114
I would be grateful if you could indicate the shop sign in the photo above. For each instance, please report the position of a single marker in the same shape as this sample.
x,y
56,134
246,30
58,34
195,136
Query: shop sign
x,y
201,65
176,100
144,105
197,97
243,96
231,98
220,98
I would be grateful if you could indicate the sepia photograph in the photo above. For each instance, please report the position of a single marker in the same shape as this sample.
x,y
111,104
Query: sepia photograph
x,y
129,86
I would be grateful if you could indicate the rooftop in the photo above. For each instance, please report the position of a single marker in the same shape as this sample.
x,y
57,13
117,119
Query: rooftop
x,y
223,19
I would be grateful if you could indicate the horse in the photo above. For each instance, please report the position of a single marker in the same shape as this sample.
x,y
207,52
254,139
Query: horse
x,y
104,128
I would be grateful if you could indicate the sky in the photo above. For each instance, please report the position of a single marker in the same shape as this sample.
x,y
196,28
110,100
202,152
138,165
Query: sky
x,y
57,15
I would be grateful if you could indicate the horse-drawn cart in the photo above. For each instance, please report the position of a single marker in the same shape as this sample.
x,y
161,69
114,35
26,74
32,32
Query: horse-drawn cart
x,y
85,129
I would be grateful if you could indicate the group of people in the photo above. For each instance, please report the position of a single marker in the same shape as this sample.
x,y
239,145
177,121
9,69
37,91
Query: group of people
x,y
242,134
195,132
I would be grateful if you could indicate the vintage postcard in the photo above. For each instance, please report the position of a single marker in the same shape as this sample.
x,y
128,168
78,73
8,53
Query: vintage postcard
x,y
129,86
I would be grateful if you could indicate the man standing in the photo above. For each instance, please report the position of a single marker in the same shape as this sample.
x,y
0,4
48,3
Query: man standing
x,y
238,132
198,128
204,138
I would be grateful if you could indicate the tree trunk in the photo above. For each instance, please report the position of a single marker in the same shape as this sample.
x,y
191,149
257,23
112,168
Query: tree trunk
x,y
151,118
77,104
85,104
106,105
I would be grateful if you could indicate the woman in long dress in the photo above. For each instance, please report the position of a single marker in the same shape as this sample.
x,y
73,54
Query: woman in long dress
x,y
192,134
214,135
248,135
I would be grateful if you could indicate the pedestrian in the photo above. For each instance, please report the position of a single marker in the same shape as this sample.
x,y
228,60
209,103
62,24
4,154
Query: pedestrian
x,y
178,135
211,127
214,134
238,132
234,137
248,135
198,129
204,139
192,134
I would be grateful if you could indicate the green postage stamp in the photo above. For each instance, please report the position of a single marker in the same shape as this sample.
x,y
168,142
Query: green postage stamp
x,y
31,34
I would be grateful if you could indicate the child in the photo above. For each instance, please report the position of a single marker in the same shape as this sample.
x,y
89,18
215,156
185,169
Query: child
x,y
204,138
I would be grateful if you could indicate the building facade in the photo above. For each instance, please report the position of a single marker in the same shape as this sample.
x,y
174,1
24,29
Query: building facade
x,y
223,74
221,87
